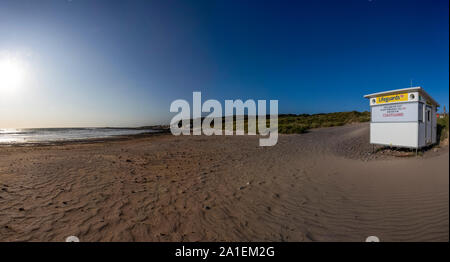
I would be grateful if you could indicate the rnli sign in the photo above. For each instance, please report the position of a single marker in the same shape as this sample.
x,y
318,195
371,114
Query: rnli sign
x,y
392,98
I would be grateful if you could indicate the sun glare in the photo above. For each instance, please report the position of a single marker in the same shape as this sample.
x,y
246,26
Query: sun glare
x,y
12,74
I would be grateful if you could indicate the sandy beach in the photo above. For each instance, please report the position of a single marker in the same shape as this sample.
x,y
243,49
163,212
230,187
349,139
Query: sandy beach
x,y
324,185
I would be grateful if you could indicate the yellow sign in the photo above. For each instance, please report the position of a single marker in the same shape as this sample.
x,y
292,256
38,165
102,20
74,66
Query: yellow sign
x,y
392,98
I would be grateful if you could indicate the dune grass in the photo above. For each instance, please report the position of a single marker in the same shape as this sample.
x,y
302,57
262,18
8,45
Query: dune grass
x,y
297,124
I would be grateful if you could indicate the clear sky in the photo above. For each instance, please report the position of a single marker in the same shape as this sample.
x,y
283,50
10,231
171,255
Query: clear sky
x,y
121,63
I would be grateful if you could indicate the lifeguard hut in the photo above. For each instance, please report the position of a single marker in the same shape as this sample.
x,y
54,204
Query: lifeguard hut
x,y
403,118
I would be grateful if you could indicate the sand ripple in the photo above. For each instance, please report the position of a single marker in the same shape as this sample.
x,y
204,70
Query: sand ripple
x,y
310,187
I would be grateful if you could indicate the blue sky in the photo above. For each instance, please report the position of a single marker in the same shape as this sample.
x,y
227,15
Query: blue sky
x,y
121,63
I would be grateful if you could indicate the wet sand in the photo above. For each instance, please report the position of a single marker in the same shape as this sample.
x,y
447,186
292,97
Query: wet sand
x,y
324,185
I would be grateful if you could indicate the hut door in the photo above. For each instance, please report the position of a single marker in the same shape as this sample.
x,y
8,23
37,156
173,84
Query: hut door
x,y
428,124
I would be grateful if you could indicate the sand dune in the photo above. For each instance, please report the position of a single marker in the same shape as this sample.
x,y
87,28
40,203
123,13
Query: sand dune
x,y
320,186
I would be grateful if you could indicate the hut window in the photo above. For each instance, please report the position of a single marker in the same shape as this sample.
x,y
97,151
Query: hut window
x,y
420,112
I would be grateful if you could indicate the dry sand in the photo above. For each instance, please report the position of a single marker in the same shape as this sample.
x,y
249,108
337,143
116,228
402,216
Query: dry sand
x,y
319,186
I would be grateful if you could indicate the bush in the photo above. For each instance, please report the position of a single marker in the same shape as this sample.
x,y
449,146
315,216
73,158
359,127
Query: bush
x,y
442,128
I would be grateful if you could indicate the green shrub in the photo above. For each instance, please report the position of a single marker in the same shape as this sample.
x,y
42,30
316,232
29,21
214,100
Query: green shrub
x,y
442,128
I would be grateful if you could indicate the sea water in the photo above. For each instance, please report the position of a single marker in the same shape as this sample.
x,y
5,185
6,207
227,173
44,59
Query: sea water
x,y
48,135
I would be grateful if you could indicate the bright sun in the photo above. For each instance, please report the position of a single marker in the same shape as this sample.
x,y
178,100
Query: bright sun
x,y
11,74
